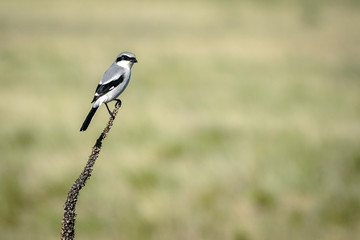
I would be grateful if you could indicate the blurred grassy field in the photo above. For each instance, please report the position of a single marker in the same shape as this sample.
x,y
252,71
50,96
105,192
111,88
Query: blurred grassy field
x,y
241,120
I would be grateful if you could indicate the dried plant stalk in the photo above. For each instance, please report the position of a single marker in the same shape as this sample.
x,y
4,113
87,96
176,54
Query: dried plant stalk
x,y
68,222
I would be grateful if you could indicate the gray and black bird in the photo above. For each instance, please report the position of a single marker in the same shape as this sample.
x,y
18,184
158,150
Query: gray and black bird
x,y
112,84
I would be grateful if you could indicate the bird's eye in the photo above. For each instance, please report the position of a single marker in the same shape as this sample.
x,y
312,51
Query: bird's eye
x,y
124,57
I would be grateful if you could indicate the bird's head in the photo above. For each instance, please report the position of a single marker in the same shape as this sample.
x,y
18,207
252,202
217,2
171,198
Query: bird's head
x,y
126,59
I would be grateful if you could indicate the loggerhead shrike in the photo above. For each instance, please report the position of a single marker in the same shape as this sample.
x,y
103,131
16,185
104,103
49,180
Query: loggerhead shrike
x,y
112,84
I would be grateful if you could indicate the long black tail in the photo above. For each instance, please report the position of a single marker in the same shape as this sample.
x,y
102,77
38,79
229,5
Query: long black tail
x,y
88,119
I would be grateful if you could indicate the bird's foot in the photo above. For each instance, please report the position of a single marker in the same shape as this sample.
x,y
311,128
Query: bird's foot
x,y
118,102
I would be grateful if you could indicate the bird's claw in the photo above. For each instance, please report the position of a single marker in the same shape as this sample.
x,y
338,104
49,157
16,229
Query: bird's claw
x,y
118,102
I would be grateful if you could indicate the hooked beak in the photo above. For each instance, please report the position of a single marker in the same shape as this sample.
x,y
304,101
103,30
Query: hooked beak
x,y
134,60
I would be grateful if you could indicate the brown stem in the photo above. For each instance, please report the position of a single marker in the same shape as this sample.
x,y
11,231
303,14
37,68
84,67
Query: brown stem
x,y
68,222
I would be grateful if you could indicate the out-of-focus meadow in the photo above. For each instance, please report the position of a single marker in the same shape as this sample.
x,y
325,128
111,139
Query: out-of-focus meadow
x,y
241,121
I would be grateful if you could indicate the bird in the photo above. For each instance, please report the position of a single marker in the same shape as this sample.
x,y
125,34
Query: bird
x,y
112,84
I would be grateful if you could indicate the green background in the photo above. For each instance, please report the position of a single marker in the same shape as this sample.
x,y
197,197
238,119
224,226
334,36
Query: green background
x,y
241,120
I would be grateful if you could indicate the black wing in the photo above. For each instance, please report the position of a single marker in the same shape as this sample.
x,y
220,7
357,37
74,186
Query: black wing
x,y
102,89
